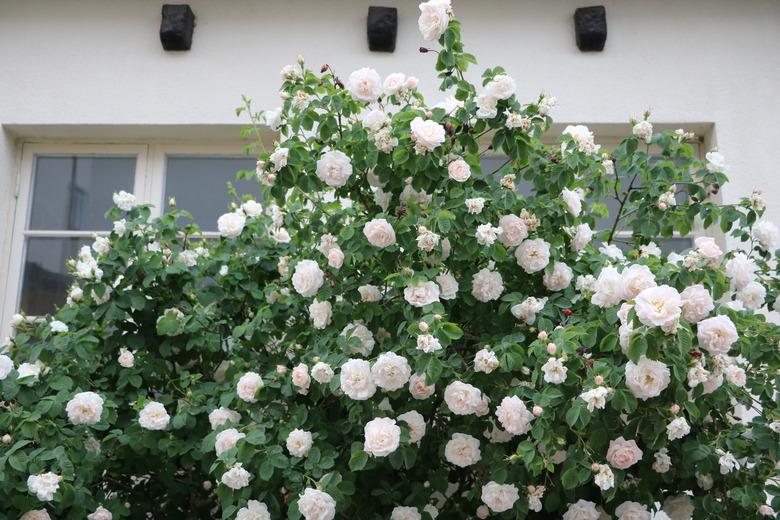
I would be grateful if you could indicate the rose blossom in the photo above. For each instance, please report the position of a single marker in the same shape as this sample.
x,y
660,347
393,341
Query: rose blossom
x,y
659,307
322,373
44,485
419,389
334,168
609,288
124,201
716,334
554,371
582,237
499,497
379,233
434,19
101,513
448,286
357,330
390,371
573,201
320,313
623,454
307,278
632,511
356,381
299,443
248,386
644,130
696,303
514,416
560,277
647,378
475,205
382,436
236,477
486,234
604,478
421,294
636,278
426,134
596,398
226,440
301,378
405,513
254,510
502,86
230,225
485,361
126,358
459,170
677,429
752,295
462,450
741,270
679,507
369,293
462,398
533,255
153,416
416,423
707,248
221,416
428,343
316,505
394,83
364,85
513,230
85,408
767,235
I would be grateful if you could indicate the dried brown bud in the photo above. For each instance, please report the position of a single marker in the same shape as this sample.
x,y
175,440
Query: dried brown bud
x,y
324,68
423,50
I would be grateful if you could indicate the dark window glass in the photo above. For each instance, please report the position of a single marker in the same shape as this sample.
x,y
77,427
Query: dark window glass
x,y
199,185
45,279
74,192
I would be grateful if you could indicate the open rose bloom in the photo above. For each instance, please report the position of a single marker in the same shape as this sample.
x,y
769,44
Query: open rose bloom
x,y
393,333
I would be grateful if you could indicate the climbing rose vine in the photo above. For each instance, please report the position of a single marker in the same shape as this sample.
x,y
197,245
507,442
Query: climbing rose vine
x,y
388,330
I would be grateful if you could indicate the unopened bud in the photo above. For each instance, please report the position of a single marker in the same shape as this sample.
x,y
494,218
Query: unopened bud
x,y
552,348
207,485
537,410
542,336
423,326
281,369
437,317
7,439
675,408
598,380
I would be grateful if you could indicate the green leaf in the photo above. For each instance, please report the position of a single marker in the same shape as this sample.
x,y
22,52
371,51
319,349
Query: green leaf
x,y
358,460
637,347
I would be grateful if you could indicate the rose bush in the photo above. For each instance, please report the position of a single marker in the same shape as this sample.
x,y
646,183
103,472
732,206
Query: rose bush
x,y
389,331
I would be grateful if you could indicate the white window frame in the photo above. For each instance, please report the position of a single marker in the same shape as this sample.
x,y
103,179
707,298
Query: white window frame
x,y
149,188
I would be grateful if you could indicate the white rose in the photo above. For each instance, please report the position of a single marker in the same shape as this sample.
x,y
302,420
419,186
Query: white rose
x,y
236,477
554,371
647,378
582,137
697,303
390,371
644,130
44,485
356,381
462,450
462,398
357,330
248,386
153,416
322,373
35,514
707,248
382,436
426,134
421,294
416,423
475,205
101,513
636,278
434,19
307,278
124,201
405,513
741,270
85,408
365,85
752,295
486,234
736,375
595,398
582,237
662,462
29,370
428,343
679,507
716,162
316,505
300,378
604,477
320,313
573,201
487,285
767,235
369,293
231,225
252,208
227,440
582,510
6,366
560,277
254,510
418,387
379,233
394,83
716,334
501,86
513,230
57,326
677,428
299,442
632,511
448,286
221,416
499,497
334,168
514,416
373,120
533,255
459,170
659,307
609,288
486,106
612,252
485,361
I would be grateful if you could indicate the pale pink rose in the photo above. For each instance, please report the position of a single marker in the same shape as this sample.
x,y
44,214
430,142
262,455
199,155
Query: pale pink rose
x,y
421,294
301,378
459,170
696,303
717,334
708,248
659,307
623,454
636,278
513,230
379,233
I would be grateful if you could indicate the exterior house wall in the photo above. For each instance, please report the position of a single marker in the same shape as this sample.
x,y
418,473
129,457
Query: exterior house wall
x,y
94,70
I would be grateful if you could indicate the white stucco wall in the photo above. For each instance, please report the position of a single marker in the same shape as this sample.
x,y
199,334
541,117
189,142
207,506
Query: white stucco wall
x,y
99,62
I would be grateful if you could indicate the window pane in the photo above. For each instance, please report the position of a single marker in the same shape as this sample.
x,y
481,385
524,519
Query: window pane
x,y
74,192
46,280
200,185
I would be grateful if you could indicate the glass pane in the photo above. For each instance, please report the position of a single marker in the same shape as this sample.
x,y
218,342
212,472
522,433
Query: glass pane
x,y
46,280
200,185
73,192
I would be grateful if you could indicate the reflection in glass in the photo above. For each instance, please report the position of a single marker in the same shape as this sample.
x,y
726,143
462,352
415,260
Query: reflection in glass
x,y
45,280
74,192
199,185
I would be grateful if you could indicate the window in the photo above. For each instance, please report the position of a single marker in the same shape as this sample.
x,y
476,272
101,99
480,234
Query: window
x,y
65,190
